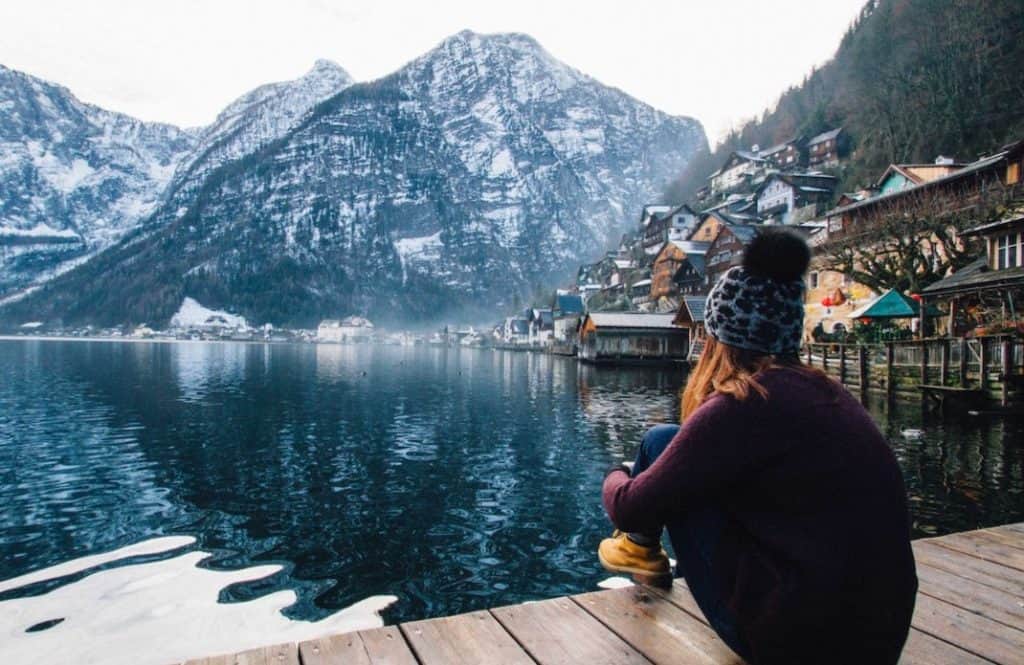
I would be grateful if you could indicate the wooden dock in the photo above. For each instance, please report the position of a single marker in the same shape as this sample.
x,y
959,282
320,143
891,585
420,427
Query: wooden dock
x,y
970,609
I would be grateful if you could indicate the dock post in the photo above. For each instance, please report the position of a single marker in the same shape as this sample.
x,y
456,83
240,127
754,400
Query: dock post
x,y
983,363
842,364
963,362
944,362
862,367
1006,349
889,353
824,358
808,354
924,362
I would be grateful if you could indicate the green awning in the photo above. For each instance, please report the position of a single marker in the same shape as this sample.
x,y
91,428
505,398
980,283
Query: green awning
x,y
893,305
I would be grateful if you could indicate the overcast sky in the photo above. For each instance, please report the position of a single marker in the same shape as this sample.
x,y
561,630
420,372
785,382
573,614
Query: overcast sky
x,y
181,61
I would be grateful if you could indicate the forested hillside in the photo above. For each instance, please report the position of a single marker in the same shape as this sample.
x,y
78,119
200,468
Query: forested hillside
x,y
911,79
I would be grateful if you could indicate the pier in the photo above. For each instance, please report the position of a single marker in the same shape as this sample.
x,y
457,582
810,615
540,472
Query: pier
x,y
970,609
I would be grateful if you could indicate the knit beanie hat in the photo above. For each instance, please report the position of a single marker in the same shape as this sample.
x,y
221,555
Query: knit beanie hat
x,y
759,305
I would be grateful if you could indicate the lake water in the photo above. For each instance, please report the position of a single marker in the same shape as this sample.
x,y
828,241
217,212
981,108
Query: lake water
x,y
450,479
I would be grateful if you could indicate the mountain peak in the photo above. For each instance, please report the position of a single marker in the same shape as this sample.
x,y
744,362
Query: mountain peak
x,y
328,68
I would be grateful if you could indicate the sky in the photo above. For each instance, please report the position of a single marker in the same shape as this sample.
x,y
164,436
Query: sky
x,y
720,61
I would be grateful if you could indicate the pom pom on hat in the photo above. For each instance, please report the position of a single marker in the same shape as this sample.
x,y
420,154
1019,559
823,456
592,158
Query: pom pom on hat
x,y
778,254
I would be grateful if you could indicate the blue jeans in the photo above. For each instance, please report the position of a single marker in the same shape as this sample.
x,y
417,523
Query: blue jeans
x,y
694,537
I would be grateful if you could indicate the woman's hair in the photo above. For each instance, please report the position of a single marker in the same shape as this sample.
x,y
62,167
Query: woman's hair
x,y
728,370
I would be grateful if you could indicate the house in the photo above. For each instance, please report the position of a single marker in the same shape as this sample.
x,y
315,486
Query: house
x,y
656,228
542,327
640,292
566,311
667,263
629,337
784,156
741,167
960,185
790,198
351,329
986,296
516,331
726,250
691,317
824,150
708,228
689,278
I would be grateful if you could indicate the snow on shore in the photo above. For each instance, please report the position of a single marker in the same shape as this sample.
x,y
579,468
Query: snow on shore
x,y
193,315
156,613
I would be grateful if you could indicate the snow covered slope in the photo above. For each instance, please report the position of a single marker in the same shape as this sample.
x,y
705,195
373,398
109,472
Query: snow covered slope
x,y
475,174
73,177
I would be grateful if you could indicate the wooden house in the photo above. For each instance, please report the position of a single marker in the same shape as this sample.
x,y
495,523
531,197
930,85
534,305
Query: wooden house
x,y
986,296
784,156
689,278
614,337
740,168
789,198
691,317
825,149
675,223
667,263
566,311
726,250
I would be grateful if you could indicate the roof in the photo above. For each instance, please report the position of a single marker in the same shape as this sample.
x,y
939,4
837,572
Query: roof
x,y
569,303
890,305
631,320
973,167
695,306
977,275
642,282
691,246
520,326
825,136
1013,219
547,317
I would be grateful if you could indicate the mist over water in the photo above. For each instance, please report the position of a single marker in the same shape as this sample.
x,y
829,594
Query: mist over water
x,y
450,479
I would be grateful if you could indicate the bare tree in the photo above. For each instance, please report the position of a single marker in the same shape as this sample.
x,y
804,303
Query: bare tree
x,y
914,239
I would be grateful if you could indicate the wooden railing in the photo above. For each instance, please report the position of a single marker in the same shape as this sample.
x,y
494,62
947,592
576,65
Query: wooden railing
x,y
994,364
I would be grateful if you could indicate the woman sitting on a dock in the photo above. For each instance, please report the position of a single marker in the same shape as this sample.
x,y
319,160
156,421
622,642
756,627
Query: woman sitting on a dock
x,y
782,500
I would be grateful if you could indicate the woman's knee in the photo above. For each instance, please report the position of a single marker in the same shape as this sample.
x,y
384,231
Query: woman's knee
x,y
657,438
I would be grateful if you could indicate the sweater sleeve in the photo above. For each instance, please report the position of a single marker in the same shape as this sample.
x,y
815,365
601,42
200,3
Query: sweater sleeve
x,y
712,451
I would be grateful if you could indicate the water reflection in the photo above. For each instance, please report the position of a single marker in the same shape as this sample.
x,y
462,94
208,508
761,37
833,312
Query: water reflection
x,y
453,478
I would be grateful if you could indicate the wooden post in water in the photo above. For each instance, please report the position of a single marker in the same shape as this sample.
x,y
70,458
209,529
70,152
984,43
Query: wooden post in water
x,y
842,364
862,367
963,362
808,354
1006,349
824,358
983,363
889,388
944,362
924,362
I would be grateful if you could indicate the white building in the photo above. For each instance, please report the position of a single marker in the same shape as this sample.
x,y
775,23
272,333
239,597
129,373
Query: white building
x,y
348,330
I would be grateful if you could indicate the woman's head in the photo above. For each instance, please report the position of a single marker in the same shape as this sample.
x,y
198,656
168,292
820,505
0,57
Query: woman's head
x,y
754,317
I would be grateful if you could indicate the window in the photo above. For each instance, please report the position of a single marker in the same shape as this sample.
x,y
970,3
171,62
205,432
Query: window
x,y
847,280
812,280
1013,173
1006,251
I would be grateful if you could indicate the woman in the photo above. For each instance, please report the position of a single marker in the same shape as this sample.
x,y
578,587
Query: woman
x,y
782,500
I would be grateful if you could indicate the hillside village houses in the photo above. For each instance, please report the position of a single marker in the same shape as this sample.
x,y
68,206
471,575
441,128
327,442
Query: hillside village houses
x,y
667,264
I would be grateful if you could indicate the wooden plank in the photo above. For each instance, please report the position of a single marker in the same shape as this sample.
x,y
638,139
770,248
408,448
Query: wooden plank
x,y
923,649
381,646
279,654
971,632
655,627
1016,530
680,596
1001,536
976,543
987,601
969,567
465,639
560,631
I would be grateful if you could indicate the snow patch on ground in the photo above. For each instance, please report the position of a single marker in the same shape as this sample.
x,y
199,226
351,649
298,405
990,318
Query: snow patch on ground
x,y
159,612
40,230
193,315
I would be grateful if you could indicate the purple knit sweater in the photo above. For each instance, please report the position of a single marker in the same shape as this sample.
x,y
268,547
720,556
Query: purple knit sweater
x,y
816,551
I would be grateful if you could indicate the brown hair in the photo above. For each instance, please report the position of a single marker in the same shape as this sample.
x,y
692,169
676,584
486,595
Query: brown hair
x,y
729,370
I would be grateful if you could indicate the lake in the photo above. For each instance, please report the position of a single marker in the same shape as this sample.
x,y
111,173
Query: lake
x,y
450,479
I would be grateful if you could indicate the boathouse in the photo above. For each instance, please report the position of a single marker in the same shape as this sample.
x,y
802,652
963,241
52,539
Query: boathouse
x,y
630,337
690,317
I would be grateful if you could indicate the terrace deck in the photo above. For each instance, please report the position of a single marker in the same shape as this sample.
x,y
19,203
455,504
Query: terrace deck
x,y
970,609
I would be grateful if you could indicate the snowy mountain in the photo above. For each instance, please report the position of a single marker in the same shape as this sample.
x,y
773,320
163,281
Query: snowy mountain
x,y
73,177
254,120
475,174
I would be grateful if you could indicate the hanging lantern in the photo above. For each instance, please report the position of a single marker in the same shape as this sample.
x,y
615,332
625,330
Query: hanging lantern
x,y
864,320
826,302
916,296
